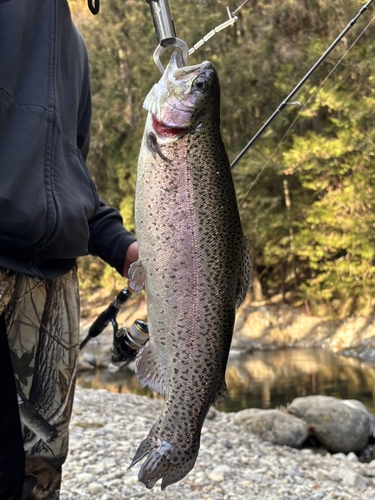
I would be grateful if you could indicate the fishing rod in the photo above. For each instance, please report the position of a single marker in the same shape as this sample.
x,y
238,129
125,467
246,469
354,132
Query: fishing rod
x,y
301,83
126,341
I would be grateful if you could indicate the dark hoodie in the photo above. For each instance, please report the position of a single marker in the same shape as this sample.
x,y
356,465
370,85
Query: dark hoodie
x,y
50,212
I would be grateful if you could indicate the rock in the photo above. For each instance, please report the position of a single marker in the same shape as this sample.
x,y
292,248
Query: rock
x,y
84,366
226,442
225,470
294,471
95,488
352,457
76,444
104,360
212,413
351,478
89,358
253,469
340,426
216,477
85,477
274,426
354,403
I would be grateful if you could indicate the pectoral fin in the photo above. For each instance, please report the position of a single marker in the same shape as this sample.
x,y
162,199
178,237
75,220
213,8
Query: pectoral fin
x,y
137,276
244,283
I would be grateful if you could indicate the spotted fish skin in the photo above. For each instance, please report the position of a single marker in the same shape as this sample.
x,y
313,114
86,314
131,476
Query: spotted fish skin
x,y
194,262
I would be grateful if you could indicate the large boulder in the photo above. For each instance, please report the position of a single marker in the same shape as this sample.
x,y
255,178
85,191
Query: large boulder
x,y
339,425
275,426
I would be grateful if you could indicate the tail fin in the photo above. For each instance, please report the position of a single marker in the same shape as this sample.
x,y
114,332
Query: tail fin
x,y
165,462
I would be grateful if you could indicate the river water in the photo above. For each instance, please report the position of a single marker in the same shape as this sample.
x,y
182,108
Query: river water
x,y
269,379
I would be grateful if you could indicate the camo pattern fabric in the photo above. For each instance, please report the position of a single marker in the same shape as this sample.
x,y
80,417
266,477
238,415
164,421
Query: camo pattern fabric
x,y
42,323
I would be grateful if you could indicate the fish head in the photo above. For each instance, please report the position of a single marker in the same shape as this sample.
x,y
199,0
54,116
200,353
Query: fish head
x,y
183,97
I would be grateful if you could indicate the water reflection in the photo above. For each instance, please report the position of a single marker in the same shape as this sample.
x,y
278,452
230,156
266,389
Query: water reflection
x,y
270,378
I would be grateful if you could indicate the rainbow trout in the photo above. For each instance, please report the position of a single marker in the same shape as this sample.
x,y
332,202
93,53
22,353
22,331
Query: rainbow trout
x,y
194,263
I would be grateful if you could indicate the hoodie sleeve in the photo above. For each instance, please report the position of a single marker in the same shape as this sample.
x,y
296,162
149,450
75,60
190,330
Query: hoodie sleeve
x,y
109,240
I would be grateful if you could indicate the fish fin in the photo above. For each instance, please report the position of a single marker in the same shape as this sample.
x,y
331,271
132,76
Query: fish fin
x,y
154,147
153,469
137,276
244,283
144,449
149,369
221,394
165,462
176,472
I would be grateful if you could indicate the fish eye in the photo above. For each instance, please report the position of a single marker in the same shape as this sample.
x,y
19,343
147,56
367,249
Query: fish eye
x,y
200,84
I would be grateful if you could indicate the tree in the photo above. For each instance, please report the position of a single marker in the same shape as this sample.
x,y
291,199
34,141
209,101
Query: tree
x,y
320,247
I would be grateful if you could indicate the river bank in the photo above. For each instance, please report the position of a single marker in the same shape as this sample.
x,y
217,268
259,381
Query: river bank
x,y
107,428
271,324
264,325
233,464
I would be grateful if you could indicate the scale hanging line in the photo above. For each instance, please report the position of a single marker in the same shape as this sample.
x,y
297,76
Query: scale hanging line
x,y
166,31
232,19
301,82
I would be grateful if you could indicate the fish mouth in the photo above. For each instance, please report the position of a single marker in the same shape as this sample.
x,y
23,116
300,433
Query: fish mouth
x,y
173,102
167,131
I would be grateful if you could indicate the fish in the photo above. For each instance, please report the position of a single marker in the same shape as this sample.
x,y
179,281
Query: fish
x,y
194,263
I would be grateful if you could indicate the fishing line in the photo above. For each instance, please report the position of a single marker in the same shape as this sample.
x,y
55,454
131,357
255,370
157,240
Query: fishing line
x,y
239,8
232,19
303,107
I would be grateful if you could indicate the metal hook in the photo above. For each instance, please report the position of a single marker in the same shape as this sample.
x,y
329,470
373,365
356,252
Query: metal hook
x,y
165,32
176,43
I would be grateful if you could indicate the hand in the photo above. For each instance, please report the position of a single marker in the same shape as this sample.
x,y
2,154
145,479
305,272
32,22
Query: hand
x,y
130,257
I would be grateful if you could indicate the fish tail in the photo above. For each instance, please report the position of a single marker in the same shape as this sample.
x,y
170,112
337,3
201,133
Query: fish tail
x,y
176,472
144,449
164,462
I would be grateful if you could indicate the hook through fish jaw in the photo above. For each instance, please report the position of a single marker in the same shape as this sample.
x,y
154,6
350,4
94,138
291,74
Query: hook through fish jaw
x,y
165,32
176,43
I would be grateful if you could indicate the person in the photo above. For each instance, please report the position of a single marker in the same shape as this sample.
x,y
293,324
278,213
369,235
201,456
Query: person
x,y
50,214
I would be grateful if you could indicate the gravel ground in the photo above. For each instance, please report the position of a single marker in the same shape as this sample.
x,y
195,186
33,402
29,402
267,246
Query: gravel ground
x,y
107,428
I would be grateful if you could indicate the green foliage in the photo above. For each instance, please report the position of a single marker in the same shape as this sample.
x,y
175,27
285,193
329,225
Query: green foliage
x,y
321,247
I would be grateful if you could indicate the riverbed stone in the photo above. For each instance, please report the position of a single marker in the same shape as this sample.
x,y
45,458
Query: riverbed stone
x,y
252,470
351,478
95,488
85,477
275,426
340,426
84,366
88,358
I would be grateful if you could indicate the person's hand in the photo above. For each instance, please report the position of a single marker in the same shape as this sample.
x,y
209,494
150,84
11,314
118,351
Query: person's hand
x,y
130,257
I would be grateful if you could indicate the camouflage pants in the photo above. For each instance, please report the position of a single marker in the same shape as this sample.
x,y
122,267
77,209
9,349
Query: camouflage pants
x,y
42,325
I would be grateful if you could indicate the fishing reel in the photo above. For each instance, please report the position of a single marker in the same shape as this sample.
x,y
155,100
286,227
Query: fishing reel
x,y
126,342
